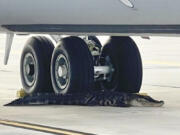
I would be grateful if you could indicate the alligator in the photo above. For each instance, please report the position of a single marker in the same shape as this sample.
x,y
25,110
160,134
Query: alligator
x,y
101,98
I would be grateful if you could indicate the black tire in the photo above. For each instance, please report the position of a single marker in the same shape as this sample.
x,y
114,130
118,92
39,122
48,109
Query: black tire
x,y
40,51
74,59
126,60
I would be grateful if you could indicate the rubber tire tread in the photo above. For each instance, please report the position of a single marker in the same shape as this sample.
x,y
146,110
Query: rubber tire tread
x,y
125,55
42,49
81,65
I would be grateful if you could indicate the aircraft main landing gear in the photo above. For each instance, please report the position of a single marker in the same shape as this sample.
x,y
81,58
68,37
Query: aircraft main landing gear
x,y
81,65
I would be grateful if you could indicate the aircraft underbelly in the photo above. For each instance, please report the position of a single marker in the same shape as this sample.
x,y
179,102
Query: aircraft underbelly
x,y
90,16
108,12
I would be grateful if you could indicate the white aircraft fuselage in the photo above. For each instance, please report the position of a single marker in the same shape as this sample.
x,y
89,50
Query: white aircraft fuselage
x,y
100,17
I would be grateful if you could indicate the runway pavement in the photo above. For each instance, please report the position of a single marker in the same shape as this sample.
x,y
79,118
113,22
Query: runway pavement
x,y
161,60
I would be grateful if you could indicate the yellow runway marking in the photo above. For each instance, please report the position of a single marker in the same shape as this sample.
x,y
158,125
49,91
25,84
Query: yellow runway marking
x,y
165,63
41,128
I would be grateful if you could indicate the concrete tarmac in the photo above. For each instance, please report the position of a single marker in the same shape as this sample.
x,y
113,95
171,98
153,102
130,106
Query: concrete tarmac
x,y
161,61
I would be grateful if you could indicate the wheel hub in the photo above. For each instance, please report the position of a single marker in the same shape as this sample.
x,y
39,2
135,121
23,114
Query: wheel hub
x,y
110,65
61,71
29,72
30,69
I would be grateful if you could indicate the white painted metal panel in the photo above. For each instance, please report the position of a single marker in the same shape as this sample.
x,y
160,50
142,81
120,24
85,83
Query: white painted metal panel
x,y
89,12
93,13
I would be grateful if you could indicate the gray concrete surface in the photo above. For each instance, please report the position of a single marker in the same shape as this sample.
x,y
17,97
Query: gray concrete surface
x,y
161,58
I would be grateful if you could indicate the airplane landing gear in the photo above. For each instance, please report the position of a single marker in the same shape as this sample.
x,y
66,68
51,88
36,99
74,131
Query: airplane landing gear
x,y
81,65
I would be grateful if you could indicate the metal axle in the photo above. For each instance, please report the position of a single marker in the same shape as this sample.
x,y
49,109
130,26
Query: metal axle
x,y
102,70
